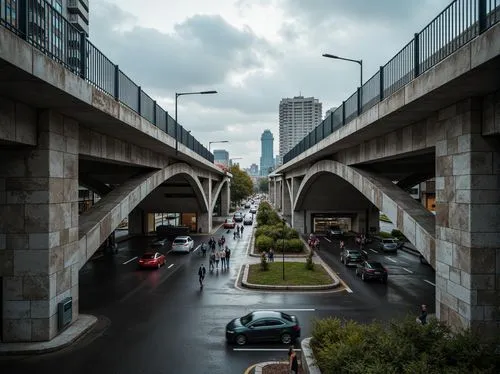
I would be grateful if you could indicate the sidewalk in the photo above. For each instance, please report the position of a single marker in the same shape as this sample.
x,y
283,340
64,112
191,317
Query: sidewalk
x,y
76,330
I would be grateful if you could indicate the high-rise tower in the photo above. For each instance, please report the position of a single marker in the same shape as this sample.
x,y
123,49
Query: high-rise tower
x,y
266,154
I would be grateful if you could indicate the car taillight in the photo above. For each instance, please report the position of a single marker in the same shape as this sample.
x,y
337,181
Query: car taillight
x,y
370,270
141,260
296,328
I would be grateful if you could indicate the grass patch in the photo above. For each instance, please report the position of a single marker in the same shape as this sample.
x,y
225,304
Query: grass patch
x,y
384,218
296,274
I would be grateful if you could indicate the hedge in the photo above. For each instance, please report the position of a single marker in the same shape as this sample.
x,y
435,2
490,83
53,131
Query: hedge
x,y
402,346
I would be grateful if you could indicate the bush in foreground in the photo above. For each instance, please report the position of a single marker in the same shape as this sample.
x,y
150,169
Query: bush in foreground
x,y
400,347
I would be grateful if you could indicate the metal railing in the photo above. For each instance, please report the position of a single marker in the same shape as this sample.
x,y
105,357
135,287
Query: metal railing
x,y
37,22
455,26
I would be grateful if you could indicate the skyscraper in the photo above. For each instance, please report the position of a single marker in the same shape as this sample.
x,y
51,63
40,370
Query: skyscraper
x,y
298,117
266,154
221,156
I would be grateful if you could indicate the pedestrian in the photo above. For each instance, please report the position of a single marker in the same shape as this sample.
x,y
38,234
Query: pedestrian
x,y
223,258
242,229
201,274
293,362
228,256
342,244
422,318
212,261
217,259
270,255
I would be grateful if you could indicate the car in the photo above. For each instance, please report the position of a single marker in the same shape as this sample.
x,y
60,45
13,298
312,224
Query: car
x,y
263,326
351,256
248,220
389,245
160,242
229,223
182,244
253,210
248,205
152,260
372,270
334,232
238,217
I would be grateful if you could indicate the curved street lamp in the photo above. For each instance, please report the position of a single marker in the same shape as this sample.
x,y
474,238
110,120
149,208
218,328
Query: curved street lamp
x,y
360,62
216,142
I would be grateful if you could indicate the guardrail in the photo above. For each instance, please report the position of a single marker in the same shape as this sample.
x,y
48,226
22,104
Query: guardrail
x,y
41,25
455,26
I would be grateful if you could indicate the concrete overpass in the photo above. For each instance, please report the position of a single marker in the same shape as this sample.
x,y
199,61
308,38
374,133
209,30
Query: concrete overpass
x,y
69,117
435,117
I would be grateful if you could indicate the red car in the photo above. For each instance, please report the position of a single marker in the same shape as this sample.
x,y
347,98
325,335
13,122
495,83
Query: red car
x,y
152,260
229,223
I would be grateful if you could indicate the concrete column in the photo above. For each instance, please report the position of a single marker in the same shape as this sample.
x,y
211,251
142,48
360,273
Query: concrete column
x,y
373,219
225,200
39,230
467,221
205,222
287,202
299,221
136,222
279,196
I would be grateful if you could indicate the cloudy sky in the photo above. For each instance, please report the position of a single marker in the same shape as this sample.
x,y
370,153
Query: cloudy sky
x,y
253,52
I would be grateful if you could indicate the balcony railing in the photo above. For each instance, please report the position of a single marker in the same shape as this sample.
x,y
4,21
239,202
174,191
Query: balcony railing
x,y
37,22
455,26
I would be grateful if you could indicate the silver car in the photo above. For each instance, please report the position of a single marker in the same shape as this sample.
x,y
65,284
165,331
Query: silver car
x,y
182,244
389,245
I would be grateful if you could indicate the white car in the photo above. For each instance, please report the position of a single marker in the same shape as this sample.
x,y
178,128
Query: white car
x,y
253,210
182,244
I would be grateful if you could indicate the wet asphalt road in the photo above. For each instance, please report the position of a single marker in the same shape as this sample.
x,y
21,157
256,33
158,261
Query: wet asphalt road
x,y
159,321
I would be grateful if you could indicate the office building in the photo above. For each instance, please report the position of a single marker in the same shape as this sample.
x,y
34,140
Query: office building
x,y
221,156
254,170
297,118
267,153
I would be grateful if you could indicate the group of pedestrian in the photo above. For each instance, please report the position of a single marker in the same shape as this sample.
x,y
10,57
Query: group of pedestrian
x,y
222,255
238,232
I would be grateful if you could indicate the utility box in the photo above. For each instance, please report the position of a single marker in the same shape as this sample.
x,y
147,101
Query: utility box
x,y
65,312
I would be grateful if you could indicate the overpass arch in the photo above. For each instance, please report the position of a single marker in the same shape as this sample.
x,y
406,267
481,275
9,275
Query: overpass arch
x,y
98,223
414,221
216,192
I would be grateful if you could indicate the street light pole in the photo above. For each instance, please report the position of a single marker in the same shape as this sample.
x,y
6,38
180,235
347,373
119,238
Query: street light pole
x,y
216,141
360,62
177,94
284,221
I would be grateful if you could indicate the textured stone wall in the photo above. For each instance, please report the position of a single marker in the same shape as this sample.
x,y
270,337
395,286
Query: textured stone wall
x,y
17,122
225,199
39,227
467,220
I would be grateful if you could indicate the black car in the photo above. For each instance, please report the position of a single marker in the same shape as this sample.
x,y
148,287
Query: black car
x,y
248,220
372,270
335,232
352,256
238,217
263,326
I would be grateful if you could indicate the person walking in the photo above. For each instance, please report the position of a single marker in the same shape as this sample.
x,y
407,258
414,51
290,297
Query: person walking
x,y
270,255
228,256
217,259
292,361
223,259
211,263
422,318
201,274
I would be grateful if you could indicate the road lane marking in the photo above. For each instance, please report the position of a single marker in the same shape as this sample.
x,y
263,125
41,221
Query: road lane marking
x,y
374,251
365,252
169,266
238,277
263,349
409,271
194,250
432,284
132,259
328,240
390,259
290,310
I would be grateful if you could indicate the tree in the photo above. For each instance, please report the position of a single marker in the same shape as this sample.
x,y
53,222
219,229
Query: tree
x,y
241,184
264,185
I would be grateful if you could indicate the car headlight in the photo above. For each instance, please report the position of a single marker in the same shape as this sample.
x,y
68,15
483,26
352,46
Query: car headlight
x,y
230,331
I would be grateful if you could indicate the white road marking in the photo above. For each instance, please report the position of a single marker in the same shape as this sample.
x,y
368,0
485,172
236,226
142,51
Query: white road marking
x,y
432,284
169,266
374,251
290,310
194,250
237,277
390,259
365,252
132,259
263,350
328,240
409,271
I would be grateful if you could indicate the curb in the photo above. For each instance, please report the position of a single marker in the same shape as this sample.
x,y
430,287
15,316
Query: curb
x,y
261,365
308,362
36,348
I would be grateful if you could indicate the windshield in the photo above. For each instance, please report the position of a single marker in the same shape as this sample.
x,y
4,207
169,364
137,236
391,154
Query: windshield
x,y
335,228
389,241
246,319
148,255
180,241
354,253
375,265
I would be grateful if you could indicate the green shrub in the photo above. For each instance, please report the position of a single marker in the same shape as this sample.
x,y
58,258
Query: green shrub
x,y
384,234
309,262
402,346
264,265
264,243
384,218
291,233
294,245
398,235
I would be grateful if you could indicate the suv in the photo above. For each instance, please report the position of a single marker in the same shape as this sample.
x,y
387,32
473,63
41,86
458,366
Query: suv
x,y
351,257
389,245
238,217
335,232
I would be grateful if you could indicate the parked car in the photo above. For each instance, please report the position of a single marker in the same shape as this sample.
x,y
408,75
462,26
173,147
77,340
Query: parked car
x,y
253,209
263,326
372,270
248,205
182,244
238,217
389,245
159,242
334,232
248,220
152,260
351,256
229,223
